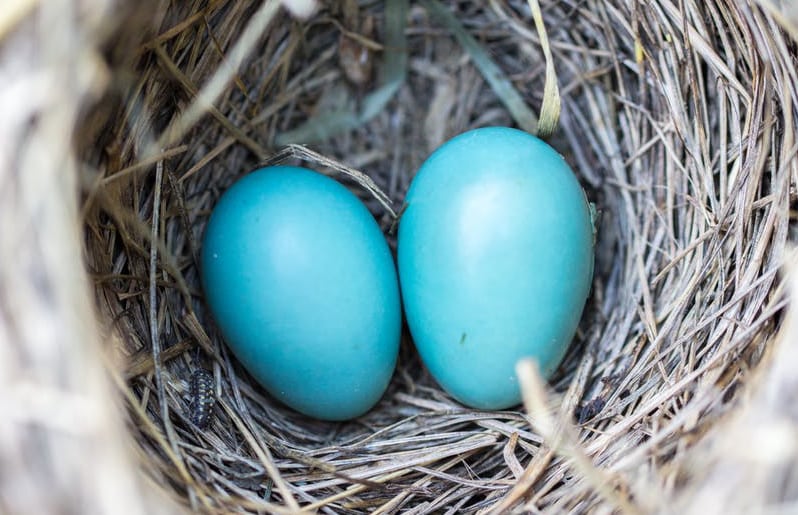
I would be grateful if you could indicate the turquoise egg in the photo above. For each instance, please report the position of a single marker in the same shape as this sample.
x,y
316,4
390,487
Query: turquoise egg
x,y
303,287
495,262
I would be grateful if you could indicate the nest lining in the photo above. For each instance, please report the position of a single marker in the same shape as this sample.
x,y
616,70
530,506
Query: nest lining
x,y
678,118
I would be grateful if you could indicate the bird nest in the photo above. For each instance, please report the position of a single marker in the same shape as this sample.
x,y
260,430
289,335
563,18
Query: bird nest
x,y
126,122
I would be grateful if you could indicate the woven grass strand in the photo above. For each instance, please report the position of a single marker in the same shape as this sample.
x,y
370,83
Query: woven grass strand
x,y
550,107
678,115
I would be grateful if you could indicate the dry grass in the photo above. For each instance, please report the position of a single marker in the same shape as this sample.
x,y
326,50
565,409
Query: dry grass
x,y
678,115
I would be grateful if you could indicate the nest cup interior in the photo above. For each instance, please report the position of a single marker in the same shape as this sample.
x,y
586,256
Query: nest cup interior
x,y
673,117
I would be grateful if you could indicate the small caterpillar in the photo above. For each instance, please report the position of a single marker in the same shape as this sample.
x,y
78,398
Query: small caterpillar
x,y
202,398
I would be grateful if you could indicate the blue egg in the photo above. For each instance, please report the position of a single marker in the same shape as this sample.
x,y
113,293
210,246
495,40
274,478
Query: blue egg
x,y
303,287
495,262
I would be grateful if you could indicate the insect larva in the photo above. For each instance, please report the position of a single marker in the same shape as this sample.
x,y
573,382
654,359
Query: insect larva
x,y
202,398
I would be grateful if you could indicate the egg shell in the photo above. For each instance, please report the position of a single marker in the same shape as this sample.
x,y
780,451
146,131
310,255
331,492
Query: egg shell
x,y
303,287
495,256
